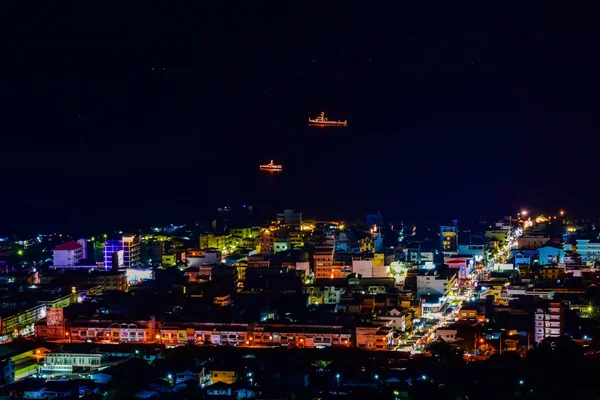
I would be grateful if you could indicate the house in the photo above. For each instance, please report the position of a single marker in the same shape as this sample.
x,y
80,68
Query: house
x,y
188,375
219,389
58,389
470,313
551,253
398,319
246,393
34,388
374,337
226,376
447,335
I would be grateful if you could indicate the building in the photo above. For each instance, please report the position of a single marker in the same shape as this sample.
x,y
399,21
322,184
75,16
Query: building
x,y
199,257
169,260
449,238
323,261
532,241
323,295
501,235
281,244
549,321
589,250
212,241
290,219
216,334
112,330
433,283
552,273
122,253
376,338
109,280
266,240
470,312
296,239
400,319
302,336
447,335
551,253
70,363
68,254
474,250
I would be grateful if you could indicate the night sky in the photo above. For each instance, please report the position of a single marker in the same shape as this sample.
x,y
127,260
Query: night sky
x,y
461,114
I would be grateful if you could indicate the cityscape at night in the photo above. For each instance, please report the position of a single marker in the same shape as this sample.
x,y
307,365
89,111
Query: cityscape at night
x,y
277,201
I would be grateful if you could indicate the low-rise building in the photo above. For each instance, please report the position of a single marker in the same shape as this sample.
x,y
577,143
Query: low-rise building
x,y
551,253
532,241
303,336
70,363
432,282
377,338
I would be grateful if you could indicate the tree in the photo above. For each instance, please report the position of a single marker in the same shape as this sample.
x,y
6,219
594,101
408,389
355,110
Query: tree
x,y
445,352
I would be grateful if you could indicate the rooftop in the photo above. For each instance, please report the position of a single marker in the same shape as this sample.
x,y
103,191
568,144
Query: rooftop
x,y
68,246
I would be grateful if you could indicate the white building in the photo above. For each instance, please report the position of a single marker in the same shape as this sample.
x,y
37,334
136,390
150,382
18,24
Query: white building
x,y
398,319
549,322
447,335
68,254
69,363
204,257
363,267
433,283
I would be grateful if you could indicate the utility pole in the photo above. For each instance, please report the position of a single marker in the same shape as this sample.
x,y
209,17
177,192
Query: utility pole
x,y
500,342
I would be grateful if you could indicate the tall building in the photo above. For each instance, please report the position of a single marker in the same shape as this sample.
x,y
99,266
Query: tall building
x,y
122,253
449,238
323,261
289,218
549,321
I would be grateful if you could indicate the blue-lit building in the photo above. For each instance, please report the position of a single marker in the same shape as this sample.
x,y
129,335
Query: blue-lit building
x,y
552,253
122,253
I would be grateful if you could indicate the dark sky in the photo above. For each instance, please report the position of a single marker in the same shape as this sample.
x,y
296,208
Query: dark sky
x,y
453,113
